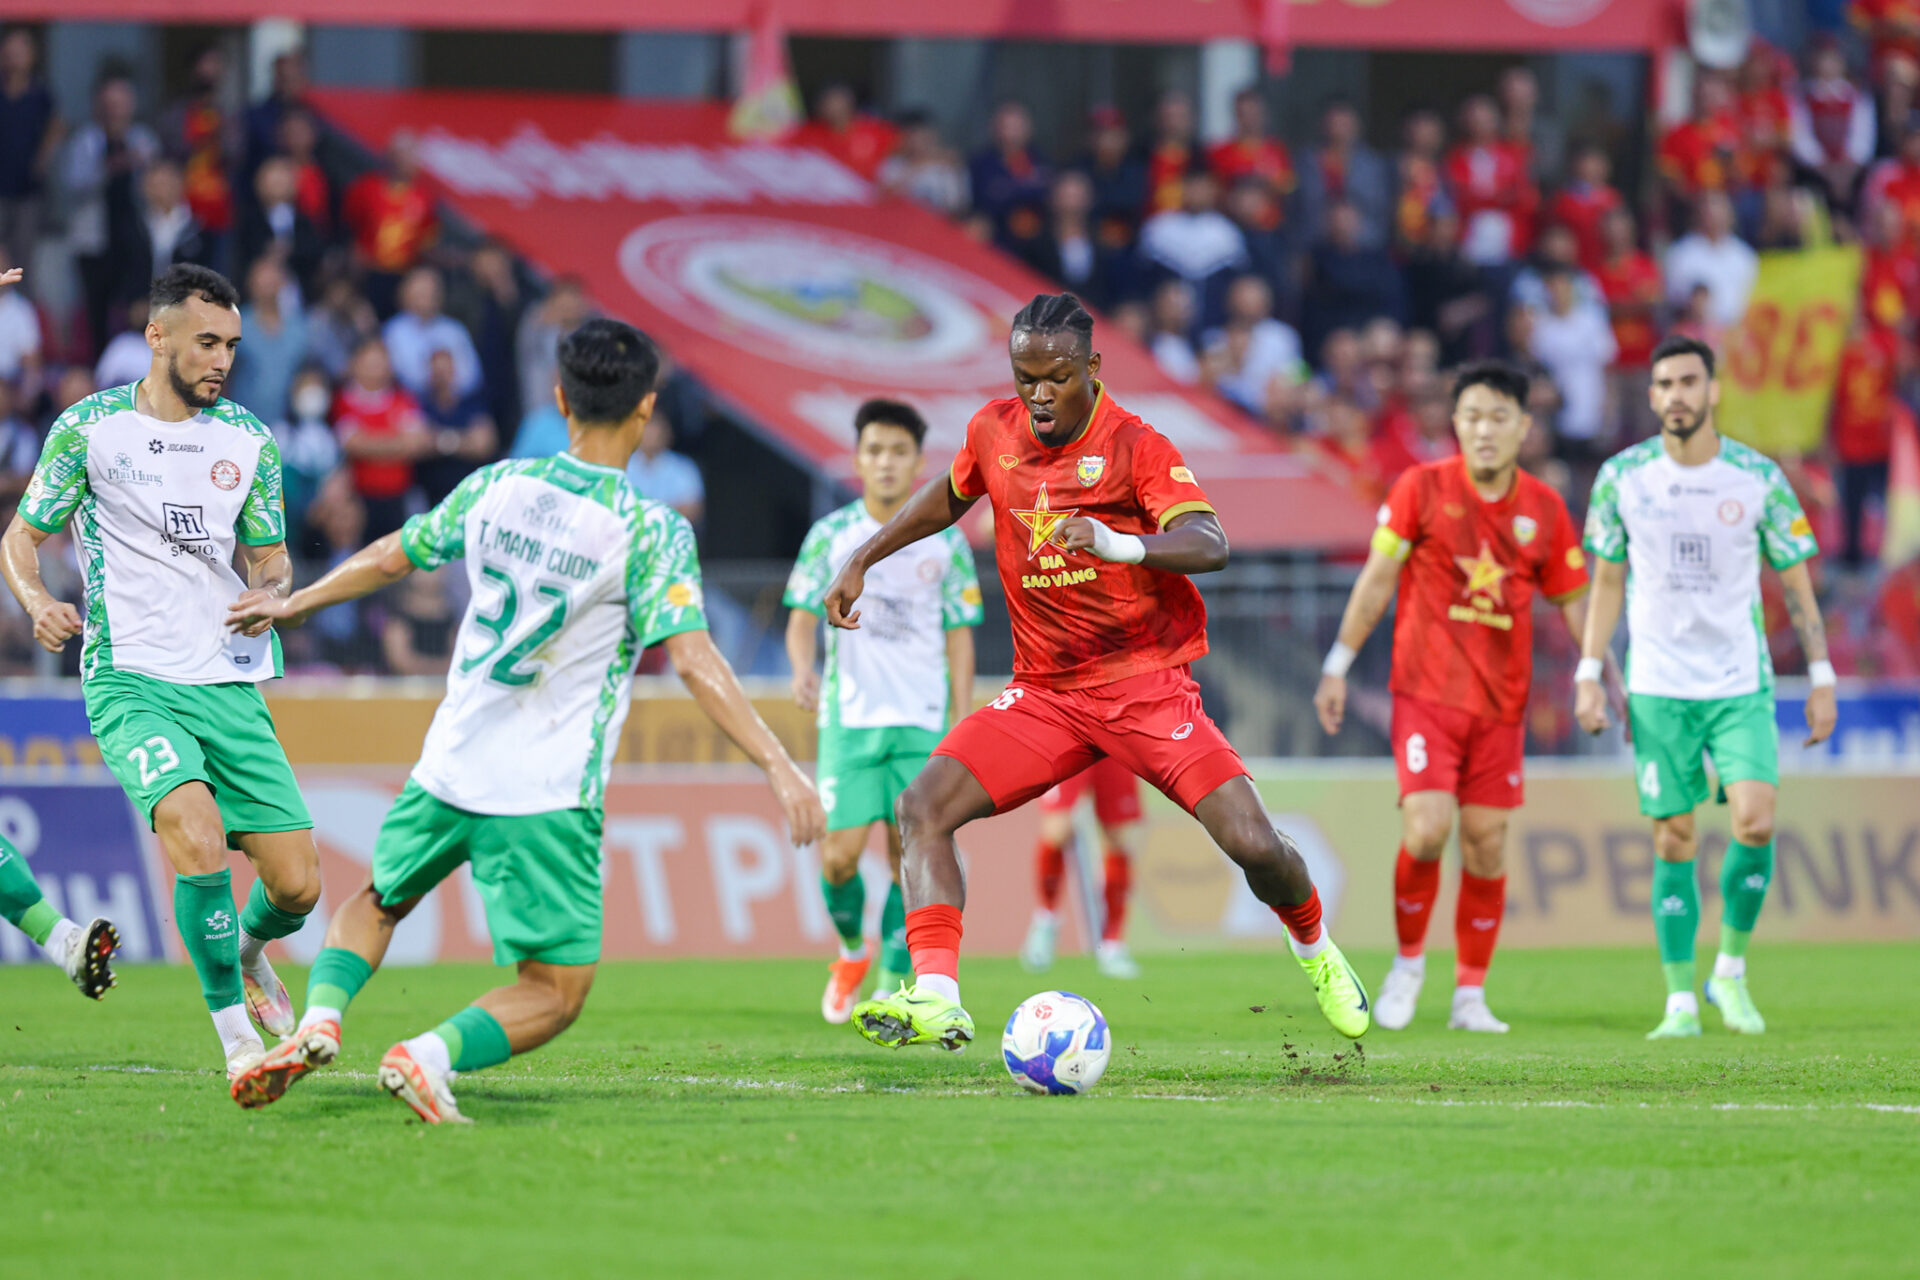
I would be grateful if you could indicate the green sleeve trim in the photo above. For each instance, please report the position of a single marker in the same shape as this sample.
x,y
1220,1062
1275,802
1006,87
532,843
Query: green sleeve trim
x,y
817,611
37,523
1594,550
265,540
1793,560
675,629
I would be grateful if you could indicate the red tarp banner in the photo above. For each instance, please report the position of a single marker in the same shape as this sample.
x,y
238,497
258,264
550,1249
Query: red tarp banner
x,y
787,285
1519,25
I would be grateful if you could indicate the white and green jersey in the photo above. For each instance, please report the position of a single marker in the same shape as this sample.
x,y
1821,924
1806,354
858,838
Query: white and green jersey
x,y
573,575
156,509
1692,538
892,672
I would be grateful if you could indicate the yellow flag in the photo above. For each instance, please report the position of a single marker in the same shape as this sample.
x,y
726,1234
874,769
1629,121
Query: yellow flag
x,y
1776,383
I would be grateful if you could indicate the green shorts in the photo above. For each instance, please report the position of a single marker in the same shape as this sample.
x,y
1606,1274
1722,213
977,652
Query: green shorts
x,y
1669,735
156,735
538,873
863,771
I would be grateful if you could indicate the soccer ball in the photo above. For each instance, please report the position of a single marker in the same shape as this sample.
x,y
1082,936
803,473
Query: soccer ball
x,y
1056,1042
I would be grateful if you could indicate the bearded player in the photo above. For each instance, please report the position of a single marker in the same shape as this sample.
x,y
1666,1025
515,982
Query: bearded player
x,y
1116,806
1097,525
1464,542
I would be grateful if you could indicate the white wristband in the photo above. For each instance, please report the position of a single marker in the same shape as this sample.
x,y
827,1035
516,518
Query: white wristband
x,y
1820,674
1588,670
1339,660
1120,548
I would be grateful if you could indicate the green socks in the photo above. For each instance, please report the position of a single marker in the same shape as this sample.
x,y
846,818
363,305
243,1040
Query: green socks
x,y
262,920
474,1039
21,902
1744,878
336,978
1676,918
846,905
893,934
203,912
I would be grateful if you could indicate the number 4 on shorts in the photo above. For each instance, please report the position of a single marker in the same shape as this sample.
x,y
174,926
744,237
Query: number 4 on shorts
x,y
1650,780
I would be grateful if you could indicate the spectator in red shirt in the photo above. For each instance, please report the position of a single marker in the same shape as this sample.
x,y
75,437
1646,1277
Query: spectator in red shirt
x,y
1253,153
1863,403
1890,271
382,434
843,131
198,133
1831,126
1174,154
392,220
1897,182
1892,28
1492,188
1702,153
300,143
1584,203
1762,110
1631,284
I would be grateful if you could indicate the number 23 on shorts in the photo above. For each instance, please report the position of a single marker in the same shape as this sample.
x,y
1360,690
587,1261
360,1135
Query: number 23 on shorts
x,y
154,757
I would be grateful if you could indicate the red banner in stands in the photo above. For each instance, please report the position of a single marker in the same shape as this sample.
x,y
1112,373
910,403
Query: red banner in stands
x,y
1519,25
794,291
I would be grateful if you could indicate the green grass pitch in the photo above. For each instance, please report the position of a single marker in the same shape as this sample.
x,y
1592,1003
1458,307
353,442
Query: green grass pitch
x,y
701,1120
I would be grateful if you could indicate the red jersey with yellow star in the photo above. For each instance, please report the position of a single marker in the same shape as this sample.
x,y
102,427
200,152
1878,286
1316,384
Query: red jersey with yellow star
x,y
1463,623
1078,620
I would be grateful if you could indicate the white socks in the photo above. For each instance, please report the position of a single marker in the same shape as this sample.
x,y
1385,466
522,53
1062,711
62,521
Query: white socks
x,y
319,1013
250,949
1461,994
1308,950
234,1027
430,1051
853,953
1724,965
55,947
940,984
1683,1002
1414,965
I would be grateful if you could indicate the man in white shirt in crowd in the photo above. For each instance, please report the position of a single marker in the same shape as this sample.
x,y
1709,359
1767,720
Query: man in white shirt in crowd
x,y
1576,345
1715,257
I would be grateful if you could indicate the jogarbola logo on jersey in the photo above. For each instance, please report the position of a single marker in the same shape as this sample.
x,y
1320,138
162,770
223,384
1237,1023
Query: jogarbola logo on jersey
x,y
1484,575
1044,525
1091,467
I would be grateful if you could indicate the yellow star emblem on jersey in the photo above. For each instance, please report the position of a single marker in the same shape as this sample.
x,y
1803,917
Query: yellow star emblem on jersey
x,y
1484,573
1043,521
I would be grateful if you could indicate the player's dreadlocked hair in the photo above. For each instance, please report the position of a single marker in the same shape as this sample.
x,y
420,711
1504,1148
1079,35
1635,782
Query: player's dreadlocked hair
x,y
607,368
1051,313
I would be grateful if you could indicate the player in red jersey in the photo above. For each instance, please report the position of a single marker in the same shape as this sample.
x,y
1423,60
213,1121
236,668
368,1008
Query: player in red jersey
x,y
1465,542
1097,523
1116,805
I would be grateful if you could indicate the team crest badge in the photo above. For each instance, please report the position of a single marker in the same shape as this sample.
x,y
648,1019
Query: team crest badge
x,y
1092,467
1008,462
225,475
1524,527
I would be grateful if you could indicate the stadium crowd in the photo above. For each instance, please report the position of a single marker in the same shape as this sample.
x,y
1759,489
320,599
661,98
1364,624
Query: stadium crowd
x,y
1322,288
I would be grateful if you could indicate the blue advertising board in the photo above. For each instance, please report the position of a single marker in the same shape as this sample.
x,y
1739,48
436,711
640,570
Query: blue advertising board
x,y
85,846
1879,724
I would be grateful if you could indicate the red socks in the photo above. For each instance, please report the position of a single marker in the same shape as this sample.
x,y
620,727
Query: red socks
x,y
1050,862
1119,883
1415,885
1476,926
1302,919
933,936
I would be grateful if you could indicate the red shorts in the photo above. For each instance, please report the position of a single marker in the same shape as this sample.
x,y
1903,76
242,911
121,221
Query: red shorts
x,y
1032,738
1442,748
1116,794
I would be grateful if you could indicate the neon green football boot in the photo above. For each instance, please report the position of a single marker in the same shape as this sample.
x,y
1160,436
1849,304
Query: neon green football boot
x,y
912,1016
1730,997
1342,996
1678,1024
